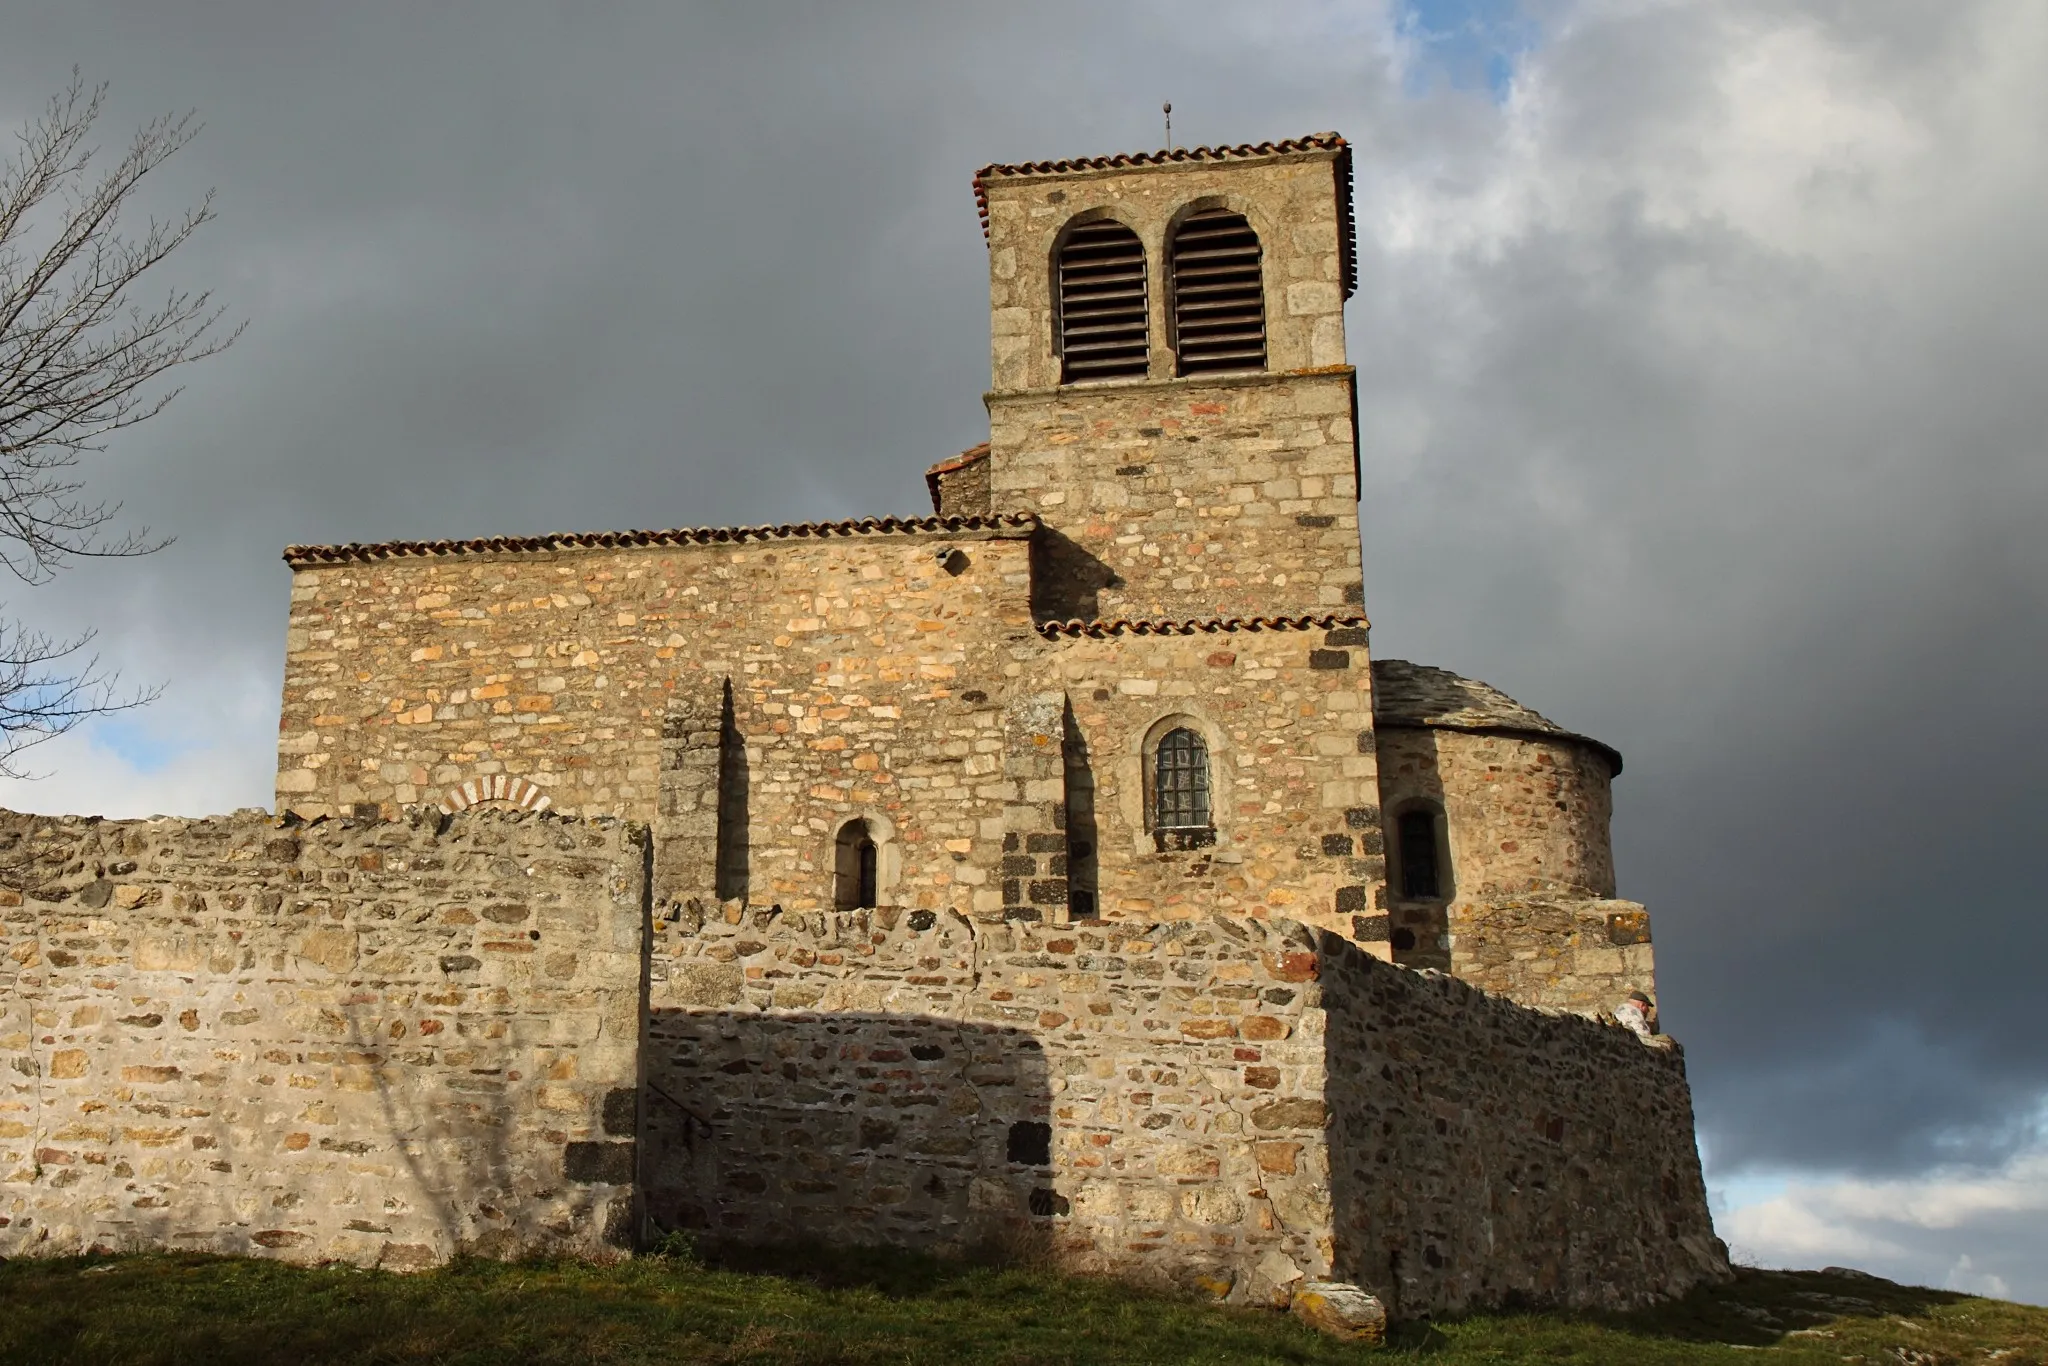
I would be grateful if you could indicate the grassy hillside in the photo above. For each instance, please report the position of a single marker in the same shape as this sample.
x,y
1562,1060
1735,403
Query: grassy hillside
x,y
880,1308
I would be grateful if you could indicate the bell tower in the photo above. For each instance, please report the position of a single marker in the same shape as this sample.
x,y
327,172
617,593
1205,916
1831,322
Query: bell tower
x,y
1169,387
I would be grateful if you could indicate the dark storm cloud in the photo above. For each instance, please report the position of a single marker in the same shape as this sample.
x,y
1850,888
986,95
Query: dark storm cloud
x,y
1701,394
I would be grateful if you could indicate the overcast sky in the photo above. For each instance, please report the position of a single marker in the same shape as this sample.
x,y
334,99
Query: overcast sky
x,y
1703,359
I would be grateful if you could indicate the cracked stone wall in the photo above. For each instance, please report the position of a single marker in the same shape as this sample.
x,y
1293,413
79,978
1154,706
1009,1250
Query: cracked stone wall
x,y
376,1042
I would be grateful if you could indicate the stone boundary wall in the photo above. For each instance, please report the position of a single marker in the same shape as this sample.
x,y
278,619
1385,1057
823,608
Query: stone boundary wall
x,y
1558,954
1483,1152
880,1076
382,1043
1229,1105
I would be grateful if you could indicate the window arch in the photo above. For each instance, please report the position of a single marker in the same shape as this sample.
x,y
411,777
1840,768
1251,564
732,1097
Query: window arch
x,y
1099,284
1180,783
1218,292
856,867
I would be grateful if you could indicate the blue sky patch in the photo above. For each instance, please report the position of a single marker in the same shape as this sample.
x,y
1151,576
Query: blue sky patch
x,y
1466,44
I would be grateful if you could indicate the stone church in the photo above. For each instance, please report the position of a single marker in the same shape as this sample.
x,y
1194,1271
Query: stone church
x,y
1056,870
1121,672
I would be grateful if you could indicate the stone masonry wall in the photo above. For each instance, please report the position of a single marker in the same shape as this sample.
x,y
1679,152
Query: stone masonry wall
x,y
1483,1152
408,675
1226,496
1558,953
1229,1104
382,1043
1522,814
1287,718
1291,202
881,1076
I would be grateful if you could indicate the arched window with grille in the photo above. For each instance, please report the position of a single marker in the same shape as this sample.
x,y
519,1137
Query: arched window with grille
x,y
1218,293
1180,785
1100,287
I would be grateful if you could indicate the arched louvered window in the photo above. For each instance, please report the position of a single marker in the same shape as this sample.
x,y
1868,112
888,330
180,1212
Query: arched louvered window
x,y
1102,303
1219,299
1180,782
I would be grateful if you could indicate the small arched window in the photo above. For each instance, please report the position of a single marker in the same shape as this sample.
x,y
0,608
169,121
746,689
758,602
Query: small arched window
x,y
1180,783
1415,836
1219,297
1101,290
856,867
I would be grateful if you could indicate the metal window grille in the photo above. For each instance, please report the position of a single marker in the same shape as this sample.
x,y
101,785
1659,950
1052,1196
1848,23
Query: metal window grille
x,y
1102,303
1219,300
1180,778
1417,835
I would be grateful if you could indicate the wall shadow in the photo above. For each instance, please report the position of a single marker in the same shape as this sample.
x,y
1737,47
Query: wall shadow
x,y
1081,867
855,1129
734,781
1411,780
1066,579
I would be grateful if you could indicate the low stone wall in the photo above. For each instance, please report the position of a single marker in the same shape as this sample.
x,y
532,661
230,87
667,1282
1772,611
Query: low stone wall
x,y
1138,1099
1556,953
382,1043
1483,1152
1228,1105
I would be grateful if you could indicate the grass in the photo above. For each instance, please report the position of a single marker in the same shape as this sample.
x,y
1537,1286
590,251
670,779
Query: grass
x,y
158,1309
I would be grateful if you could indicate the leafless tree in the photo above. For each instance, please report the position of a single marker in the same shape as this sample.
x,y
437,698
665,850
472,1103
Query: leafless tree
x,y
80,360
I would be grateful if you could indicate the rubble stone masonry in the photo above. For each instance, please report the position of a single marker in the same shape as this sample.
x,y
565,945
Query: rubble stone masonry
x,y
817,881
1223,1104
381,1042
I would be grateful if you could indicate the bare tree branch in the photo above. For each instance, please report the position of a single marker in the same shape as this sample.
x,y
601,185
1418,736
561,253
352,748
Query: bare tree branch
x,y
80,359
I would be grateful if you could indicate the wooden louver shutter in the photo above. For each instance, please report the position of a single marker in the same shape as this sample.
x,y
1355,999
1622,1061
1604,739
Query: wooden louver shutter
x,y
1102,303
1219,303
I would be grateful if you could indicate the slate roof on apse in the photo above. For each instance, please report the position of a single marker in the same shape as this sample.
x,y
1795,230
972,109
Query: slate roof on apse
x,y
1417,695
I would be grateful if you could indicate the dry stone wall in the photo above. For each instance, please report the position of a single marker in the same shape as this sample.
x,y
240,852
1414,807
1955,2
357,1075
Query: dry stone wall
x,y
376,1042
1483,1152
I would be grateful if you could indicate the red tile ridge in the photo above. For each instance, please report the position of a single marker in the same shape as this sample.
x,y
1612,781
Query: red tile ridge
x,y
602,540
958,462
1125,626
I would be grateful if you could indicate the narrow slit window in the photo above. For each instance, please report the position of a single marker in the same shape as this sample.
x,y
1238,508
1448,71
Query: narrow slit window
x,y
1219,297
1417,835
1180,778
856,865
1102,303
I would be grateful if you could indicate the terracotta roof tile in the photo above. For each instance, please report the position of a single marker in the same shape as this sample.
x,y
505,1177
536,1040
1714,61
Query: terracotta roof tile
x,y
958,462
1347,237
1124,626
604,540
